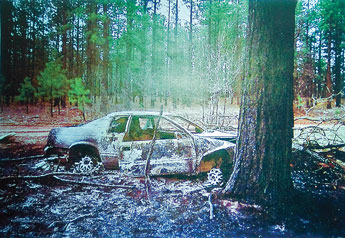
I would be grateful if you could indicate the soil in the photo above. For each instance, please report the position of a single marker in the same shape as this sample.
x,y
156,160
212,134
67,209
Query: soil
x,y
28,132
84,206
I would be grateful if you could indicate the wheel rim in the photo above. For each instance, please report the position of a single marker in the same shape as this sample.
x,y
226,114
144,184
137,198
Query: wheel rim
x,y
215,177
84,165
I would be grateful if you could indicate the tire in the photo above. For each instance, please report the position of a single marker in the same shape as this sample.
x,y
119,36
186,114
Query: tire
x,y
86,163
220,173
215,177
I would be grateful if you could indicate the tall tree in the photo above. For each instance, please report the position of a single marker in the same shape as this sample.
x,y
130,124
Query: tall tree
x,y
332,15
91,47
261,171
105,61
154,52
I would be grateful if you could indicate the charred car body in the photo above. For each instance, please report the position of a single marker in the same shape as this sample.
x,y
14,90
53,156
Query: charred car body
x,y
122,140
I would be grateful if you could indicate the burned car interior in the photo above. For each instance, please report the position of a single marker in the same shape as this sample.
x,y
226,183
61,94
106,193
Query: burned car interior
x,y
141,128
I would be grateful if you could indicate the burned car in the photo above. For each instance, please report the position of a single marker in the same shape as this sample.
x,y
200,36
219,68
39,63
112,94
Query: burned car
x,y
124,141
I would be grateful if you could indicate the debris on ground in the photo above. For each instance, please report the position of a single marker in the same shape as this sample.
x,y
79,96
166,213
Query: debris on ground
x,y
39,199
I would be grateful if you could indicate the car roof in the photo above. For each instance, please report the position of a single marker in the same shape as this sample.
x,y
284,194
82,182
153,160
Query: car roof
x,y
138,113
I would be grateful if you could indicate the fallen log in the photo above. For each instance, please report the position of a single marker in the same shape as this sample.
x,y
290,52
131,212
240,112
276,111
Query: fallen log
x,y
319,147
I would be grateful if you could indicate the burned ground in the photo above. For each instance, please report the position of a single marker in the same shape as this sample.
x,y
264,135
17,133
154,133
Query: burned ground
x,y
37,199
88,206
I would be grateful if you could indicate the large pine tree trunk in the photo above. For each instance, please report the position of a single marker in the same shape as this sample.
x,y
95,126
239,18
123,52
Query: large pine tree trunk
x,y
261,171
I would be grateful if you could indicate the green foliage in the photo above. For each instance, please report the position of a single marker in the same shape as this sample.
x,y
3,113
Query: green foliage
x,y
320,33
52,81
332,15
338,112
300,102
78,93
26,90
125,50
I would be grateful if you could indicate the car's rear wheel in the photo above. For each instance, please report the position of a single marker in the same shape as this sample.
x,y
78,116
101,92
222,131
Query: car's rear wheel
x,y
218,167
215,177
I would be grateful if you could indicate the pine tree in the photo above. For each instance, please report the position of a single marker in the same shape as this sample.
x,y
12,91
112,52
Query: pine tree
x,y
27,92
263,151
52,83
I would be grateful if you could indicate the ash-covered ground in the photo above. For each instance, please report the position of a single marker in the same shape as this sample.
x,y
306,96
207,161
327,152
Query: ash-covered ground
x,y
57,206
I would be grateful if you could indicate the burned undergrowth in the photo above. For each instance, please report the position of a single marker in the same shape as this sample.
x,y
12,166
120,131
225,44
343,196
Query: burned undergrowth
x,y
319,180
38,199
83,205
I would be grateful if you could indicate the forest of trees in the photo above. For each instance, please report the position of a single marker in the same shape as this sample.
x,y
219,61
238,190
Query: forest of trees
x,y
142,51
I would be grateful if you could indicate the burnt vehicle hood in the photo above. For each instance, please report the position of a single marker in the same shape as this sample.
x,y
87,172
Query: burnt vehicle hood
x,y
224,136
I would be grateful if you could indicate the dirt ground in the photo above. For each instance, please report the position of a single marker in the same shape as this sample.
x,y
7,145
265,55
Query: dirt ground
x,y
62,205
30,130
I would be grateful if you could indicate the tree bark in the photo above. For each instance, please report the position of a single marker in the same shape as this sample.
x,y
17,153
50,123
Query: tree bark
x,y
261,171
91,49
337,69
106,61
328,73
64,34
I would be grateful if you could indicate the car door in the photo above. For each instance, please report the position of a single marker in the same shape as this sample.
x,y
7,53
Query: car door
x,y
111,143
173,151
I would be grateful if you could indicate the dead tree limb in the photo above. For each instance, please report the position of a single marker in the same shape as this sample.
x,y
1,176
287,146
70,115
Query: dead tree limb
x,y
69,181
320,137
149,155
211,205
54,176
8,160
316,156
319,147
153,141
66,223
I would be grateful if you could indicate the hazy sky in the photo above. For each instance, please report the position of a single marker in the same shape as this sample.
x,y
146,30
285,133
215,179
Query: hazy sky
x,y
183,11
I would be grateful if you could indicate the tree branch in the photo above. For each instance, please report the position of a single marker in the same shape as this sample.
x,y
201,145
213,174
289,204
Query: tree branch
x,y
54,176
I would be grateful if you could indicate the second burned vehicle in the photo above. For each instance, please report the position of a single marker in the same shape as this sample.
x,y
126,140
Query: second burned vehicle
x,y
122,140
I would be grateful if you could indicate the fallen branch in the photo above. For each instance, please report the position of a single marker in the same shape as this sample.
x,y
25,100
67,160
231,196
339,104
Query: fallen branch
x,y
211,206
147,165
65,224
316,156
319,147
92,184
54,176
8,160
317,137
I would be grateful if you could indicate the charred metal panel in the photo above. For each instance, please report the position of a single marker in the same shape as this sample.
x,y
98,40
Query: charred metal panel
x,y
168,157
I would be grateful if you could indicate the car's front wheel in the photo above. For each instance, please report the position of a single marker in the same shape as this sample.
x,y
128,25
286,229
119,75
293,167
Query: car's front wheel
x,y
87,164
84,161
